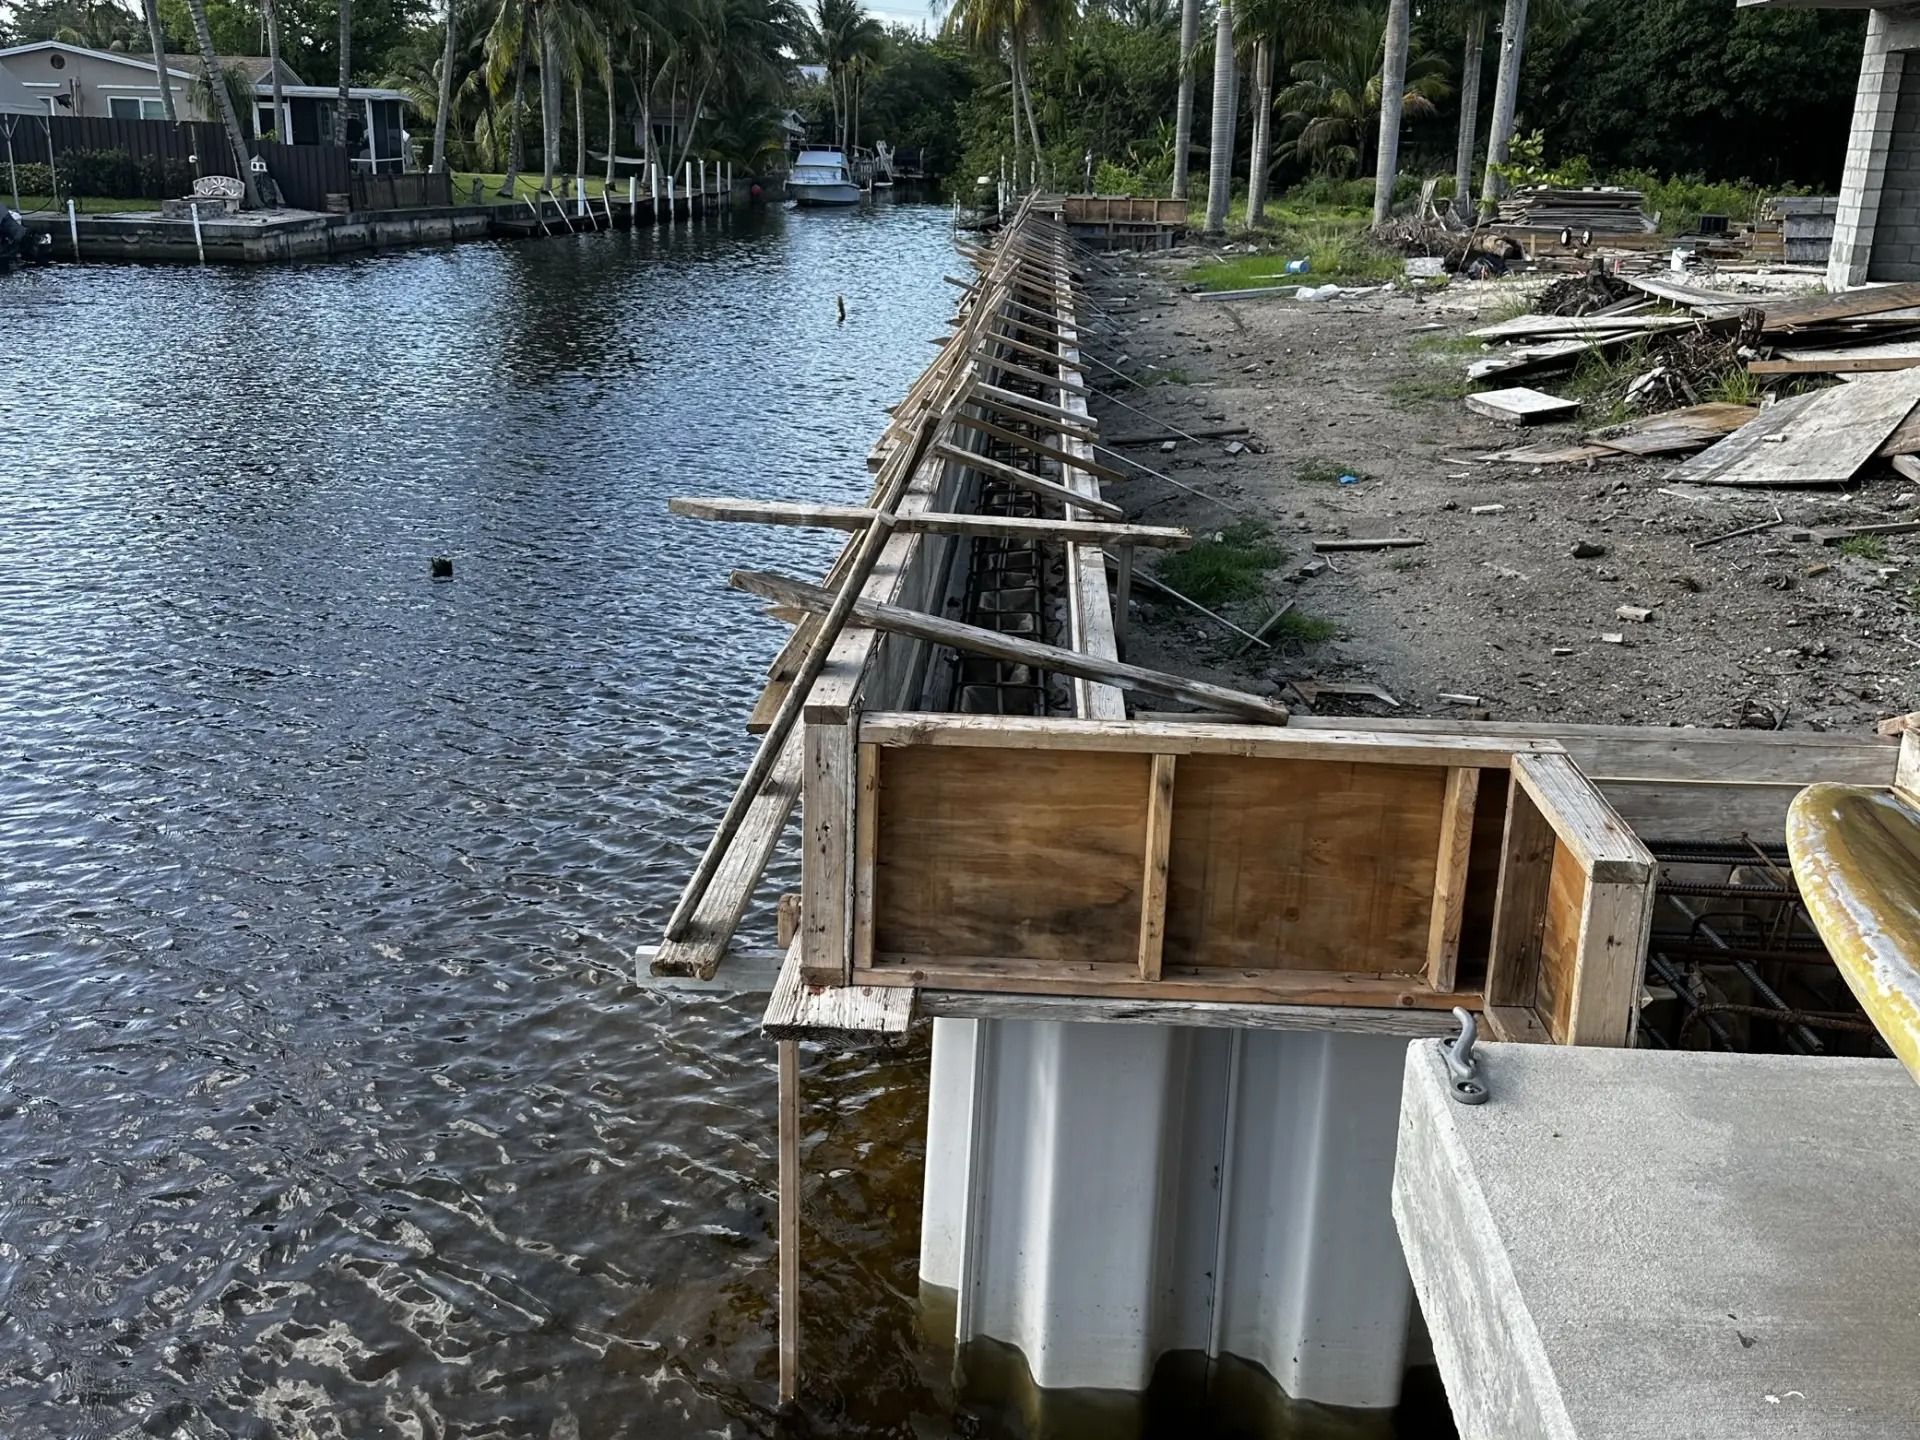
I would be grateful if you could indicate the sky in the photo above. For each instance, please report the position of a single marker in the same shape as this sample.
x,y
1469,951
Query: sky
x,y
916,13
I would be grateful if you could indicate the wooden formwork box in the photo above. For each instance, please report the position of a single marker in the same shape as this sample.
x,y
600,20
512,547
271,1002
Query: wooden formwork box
x,y
1178,862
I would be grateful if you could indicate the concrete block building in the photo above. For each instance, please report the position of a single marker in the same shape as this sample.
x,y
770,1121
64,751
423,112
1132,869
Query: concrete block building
x,y
1876,233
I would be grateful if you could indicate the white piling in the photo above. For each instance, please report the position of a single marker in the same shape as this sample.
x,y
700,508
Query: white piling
x,y
688,188
653,180
199,245
73,227
706,203
579,196
633,201
669,197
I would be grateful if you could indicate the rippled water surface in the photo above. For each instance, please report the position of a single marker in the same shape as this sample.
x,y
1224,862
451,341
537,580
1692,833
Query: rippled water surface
x,y
325,1107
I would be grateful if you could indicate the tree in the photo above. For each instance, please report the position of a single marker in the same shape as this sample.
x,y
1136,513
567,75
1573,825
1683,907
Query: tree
x,y
223,101
1393,93
1506,95
159,42
442,110
1183,107
1220,147
272,9
346,73
844,38
1470,63
1332,106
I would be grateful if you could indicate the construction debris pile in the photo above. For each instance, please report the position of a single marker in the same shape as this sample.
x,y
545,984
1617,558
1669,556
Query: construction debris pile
x,y
1691,346
1596,210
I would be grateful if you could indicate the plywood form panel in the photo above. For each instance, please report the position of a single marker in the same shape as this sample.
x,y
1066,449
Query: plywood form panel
x,y
1017,854
1302,865
1560,943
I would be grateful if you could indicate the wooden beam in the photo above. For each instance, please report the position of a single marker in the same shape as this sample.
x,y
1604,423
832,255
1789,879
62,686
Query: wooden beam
x,y
1071,422
1209,737
700,950
835,1014
1606,849
1153,887
826,921
1836,365
788,1220
1150,1009
974,640
1450,878
866,831
1032,377
1038,446
1005,527
1034,484
1520,902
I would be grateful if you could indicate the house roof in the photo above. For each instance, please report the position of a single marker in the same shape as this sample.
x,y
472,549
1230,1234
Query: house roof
x,y
116,56
258,69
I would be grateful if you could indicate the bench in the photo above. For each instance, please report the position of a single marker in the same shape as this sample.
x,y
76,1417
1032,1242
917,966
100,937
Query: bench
x,y
212,195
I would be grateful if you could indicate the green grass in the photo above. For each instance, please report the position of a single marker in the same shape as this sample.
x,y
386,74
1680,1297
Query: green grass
x,y
1510,306
1216,571
1448,345
86,204
1307,629
1431,389
1863,547
1334,244
1739,386
1599,382
1322,472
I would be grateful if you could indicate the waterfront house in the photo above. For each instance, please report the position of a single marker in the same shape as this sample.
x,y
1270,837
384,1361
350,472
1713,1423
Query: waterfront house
x,y
75,80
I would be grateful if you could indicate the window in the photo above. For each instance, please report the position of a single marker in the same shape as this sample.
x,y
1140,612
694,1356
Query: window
x,y
129,107
263,121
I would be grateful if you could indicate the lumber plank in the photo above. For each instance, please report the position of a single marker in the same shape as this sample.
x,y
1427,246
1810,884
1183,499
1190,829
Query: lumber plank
x,y
1740,454
1527,849
1379,743
1394,991
936,522
866,815
788,1219
1025,405
1034,484
1824,442
1450,885
1152,1009
1542,355
975,640
1690,429
1153,885
834,1014
1521,406
999,364
1614,925
1786,316
1835,365
826,922
1384,542
700,950
1711,304
1037,446
1905,439
1522,327
1602,844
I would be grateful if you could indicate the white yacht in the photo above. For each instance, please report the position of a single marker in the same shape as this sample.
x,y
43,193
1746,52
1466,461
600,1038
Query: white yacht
x,y
822,177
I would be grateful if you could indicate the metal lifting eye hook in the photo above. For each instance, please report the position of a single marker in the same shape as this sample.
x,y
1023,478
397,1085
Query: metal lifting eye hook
x,y
1462,1071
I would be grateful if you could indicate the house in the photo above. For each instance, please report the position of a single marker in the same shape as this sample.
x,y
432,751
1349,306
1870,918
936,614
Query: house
x,y
74,80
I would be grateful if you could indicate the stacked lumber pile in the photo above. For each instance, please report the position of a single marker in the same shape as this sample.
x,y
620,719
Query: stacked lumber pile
x,y
1602,209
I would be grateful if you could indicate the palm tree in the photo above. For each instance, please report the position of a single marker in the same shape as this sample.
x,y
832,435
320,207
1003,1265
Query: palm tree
x,y
440,111
346,74
1183,107
1330,108
1220,147
1470,63
223,101
845,38
272,9
1393,91
1506,94
152,9
508,44
1010,28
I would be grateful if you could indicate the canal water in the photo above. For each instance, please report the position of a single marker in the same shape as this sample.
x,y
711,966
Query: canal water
x,y
326,1105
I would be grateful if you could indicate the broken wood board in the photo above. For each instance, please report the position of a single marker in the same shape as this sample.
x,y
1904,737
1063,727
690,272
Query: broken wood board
x,y
1680,430
1520,359
1711,304
858,517
700,950
1521,406
1543,327
1550,453
835,1014
1788,315
1820,438
1385,542
1836,363
975,640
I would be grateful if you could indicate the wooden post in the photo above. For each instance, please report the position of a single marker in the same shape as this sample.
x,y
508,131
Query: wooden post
x,y
789,1221
1153,885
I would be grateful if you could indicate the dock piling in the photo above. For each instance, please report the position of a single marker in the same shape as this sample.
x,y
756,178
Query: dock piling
x,y
199,244
688,188
73,226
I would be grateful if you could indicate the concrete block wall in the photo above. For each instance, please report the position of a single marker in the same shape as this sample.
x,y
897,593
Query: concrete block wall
x,y
1896,235
1875,108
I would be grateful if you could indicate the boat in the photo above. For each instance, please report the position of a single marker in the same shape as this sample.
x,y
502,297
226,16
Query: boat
x,y
821,177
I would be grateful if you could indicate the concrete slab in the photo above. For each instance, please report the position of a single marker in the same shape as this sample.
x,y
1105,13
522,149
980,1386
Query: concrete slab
x,y
1642,1245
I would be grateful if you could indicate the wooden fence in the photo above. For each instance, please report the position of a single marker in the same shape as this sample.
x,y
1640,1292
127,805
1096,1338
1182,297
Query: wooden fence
x,y
401,192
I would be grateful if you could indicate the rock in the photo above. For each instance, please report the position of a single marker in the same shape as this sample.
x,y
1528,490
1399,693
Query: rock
x,y
1587,550
1234,447
1167,447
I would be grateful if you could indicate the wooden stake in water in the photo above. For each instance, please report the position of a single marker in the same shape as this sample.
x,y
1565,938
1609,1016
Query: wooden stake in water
x,y
73,227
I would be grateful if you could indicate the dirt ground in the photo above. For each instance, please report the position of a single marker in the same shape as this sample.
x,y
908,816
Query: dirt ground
x,y
1756,630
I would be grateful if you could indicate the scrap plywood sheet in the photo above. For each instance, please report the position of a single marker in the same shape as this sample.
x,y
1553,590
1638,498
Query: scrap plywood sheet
x,y
1302,864
1521,406
1820,438
1009,854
